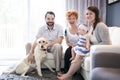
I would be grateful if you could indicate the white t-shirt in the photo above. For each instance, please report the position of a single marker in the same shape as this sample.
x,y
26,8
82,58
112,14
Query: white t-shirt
x,y
50,35
72,38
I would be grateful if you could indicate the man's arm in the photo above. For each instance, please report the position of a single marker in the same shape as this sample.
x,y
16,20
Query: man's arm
x,y
33,47
31,53
58,40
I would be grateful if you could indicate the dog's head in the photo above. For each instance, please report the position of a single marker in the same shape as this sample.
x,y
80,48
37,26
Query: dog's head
x,y
41,43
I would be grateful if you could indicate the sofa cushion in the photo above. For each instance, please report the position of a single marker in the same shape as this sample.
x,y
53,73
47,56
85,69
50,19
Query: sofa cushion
x,y
114,35
86,64
105,74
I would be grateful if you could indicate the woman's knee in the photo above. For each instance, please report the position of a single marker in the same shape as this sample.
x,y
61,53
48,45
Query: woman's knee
x,y
68,52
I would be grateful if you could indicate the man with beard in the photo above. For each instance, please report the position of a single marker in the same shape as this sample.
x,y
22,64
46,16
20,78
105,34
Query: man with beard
x,y
54,35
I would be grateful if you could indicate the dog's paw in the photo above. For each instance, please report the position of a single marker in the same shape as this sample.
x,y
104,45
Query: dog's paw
x,y
52,70
40,74
12,72
7,72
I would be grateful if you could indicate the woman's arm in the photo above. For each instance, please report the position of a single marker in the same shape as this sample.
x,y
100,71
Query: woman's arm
x,y
102,34
87,42
68,43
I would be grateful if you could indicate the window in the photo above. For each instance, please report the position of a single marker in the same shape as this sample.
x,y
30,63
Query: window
x,y
13,22
20,20
112,1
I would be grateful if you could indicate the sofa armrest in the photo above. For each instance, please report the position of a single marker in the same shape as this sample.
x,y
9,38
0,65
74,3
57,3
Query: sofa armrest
x,y
105,56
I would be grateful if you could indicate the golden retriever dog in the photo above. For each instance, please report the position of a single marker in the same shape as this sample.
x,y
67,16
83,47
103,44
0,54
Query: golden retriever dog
x,y
40,57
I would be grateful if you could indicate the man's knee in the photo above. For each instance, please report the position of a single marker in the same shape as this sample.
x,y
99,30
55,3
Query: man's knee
x,y
58,46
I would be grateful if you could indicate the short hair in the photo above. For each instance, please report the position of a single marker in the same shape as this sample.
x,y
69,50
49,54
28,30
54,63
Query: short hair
x,y
49,12
72,12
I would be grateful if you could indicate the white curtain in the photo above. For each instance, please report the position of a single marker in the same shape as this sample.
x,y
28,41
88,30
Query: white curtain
x,y
13,22
20,21
81,6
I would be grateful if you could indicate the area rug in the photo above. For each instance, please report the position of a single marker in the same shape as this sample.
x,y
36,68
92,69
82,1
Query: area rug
x,y
47,75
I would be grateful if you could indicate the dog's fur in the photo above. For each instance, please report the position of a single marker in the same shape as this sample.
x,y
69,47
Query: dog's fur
x,y
40,57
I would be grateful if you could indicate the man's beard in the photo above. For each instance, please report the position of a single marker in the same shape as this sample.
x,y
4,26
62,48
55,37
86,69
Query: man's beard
x,y
50,23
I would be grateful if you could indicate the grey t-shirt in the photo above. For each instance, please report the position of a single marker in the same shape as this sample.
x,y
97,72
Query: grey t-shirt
x,y
100,35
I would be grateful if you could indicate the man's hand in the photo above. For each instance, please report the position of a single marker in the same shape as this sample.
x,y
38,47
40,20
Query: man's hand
x,y
31,58
48,47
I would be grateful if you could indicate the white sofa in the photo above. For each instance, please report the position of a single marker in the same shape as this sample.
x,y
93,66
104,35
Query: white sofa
x,y
115,40
85,71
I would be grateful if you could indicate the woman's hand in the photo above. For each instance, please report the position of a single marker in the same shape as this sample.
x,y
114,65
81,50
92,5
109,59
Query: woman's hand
x,y
73,45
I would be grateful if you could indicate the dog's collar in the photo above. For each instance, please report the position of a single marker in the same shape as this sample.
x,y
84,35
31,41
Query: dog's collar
x,y
44,49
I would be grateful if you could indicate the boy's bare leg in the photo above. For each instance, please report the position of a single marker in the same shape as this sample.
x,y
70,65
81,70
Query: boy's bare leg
x,y
77,57
73,54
